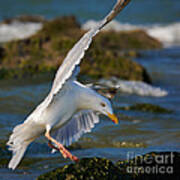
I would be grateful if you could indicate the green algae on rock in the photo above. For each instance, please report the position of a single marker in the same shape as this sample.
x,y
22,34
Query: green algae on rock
x,y
45,51
127,40
146,108
102,168
86,168
107,63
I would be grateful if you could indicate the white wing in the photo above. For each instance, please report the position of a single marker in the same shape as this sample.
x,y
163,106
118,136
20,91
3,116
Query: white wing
x,y
80,123
75,55
68,69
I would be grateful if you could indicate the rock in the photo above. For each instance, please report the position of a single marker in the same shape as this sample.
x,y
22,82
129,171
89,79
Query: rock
x,y
127,41
102,168
105,63
2,53
110,54
3,149
147,108
87,168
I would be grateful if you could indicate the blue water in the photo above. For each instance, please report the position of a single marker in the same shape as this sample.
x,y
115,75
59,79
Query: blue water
x,y
138,11
138,132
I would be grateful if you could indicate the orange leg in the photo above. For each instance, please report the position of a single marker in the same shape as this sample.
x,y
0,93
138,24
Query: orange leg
x,y
54,147
60,147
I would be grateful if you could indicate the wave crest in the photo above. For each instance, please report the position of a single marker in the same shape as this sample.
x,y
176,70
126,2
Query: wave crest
x,y
168,34
133,87
18,30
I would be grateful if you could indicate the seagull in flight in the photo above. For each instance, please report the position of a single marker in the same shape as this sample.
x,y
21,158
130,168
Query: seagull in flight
x,y
70,109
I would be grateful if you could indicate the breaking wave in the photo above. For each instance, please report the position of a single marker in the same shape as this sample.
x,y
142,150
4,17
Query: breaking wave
x,y
18,30
133,87
168,34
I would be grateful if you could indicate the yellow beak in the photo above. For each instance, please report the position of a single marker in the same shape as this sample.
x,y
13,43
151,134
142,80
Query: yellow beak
x,y
113,118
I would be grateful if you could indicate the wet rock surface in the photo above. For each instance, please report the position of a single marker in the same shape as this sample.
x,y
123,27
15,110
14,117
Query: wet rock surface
x,y
144,107
157,166
109,55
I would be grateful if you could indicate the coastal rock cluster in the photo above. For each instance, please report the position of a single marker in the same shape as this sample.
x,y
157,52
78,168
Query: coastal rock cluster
x,y
110,54
153,165
156,166
144,107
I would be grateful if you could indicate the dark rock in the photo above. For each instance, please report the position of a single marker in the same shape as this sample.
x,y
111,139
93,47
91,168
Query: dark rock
x,y
156,166
3,149
128,41
147,108
87,168
38,54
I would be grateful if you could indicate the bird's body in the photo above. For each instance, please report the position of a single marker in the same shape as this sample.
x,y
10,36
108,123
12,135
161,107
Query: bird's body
x,y
56,114
73,97
70,109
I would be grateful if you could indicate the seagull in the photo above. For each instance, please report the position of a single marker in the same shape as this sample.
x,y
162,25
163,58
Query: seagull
x,y
70,109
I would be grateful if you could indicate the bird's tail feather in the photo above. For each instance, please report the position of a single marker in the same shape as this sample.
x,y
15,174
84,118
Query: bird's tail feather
x,y
18,142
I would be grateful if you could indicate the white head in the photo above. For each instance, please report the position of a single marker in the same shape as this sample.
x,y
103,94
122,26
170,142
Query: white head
x,y
94,101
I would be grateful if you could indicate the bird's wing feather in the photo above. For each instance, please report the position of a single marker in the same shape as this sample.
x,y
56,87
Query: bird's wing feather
x,y
81,123
75,55
68,69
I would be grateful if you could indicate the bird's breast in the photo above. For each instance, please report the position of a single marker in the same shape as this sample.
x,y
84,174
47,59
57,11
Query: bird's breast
x,y
59,111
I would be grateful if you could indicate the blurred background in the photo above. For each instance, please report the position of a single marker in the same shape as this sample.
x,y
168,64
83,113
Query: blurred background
x,y
161,17
139,12
153,125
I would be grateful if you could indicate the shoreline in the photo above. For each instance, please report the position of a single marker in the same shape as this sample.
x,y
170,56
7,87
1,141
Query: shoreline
x,y
111,53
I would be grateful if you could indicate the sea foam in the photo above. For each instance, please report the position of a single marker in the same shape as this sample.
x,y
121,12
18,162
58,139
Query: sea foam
x,y
133,87
168,34
18,30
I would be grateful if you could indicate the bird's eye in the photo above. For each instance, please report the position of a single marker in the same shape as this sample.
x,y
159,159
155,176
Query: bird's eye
x,y
103,105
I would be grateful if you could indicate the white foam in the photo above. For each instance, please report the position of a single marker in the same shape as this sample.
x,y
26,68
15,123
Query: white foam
x,y
167,34
18,30
134,87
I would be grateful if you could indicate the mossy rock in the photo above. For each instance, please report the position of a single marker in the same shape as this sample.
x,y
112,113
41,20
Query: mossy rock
x,y
146,108
102,168
127,40
87,168
106,63
3,149
108,56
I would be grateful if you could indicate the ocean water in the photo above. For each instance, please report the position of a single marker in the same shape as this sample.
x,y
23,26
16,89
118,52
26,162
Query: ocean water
x,y
138,132
159,18
138,12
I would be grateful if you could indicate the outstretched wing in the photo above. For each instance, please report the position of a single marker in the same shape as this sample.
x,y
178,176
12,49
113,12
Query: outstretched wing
x,y
69,68
80,123
75,55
